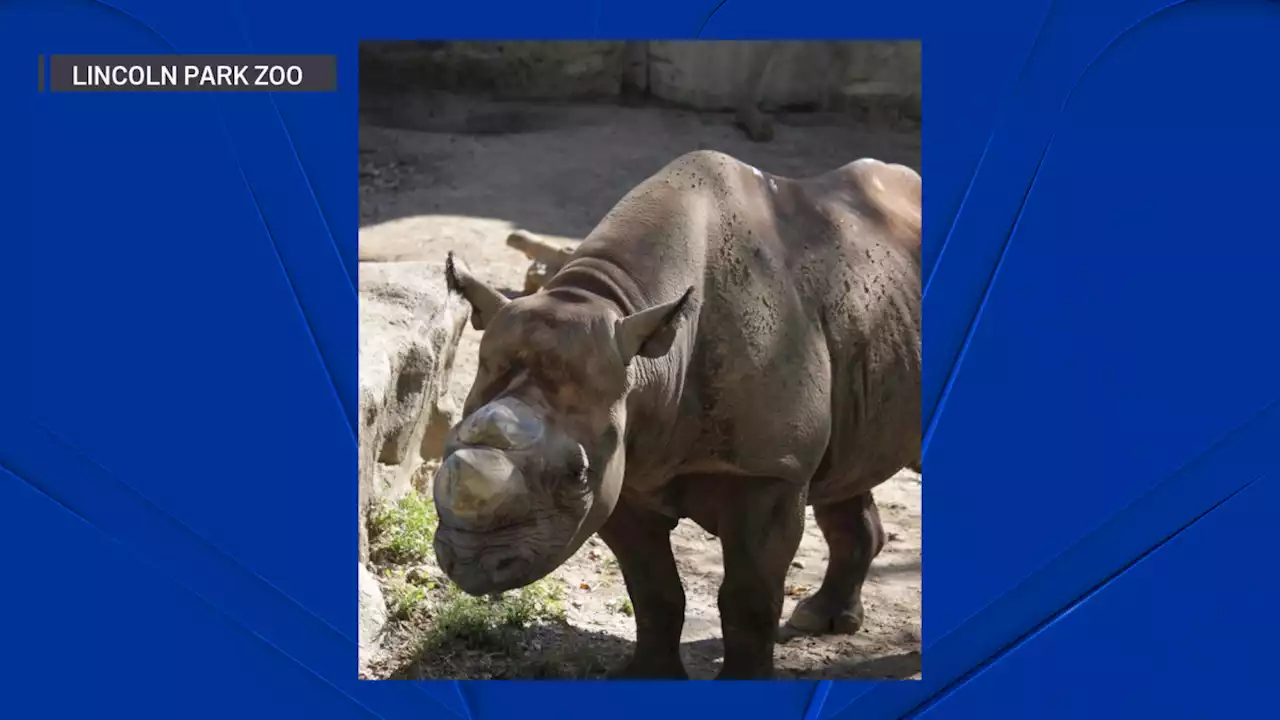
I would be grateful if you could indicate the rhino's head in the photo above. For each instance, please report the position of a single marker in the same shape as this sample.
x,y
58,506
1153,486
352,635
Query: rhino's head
x,y
535,467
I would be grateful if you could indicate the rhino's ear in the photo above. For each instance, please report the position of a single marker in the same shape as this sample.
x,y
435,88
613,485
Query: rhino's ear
x,y
650,333
485,301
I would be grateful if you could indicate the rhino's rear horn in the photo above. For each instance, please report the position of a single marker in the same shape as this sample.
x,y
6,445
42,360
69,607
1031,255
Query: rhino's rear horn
x,y
650,333
485,301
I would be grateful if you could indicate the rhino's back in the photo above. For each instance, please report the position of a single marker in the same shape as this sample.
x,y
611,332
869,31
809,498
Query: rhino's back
x,y
873,312
806,361
804,347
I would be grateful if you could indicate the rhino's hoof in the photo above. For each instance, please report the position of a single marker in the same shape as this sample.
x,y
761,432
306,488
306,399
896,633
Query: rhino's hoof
x,y
757,125
817,616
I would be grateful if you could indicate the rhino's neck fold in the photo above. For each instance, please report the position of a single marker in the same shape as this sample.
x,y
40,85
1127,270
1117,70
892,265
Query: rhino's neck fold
x,y
599,278
657,386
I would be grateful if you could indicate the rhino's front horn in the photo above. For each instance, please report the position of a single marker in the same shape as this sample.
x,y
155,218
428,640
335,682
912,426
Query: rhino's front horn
x,y
474,485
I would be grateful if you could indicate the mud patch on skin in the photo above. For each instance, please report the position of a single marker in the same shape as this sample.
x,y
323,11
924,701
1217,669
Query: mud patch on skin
x,y
559,183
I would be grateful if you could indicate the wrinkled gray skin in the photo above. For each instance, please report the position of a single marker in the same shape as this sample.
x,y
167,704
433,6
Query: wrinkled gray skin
x,y
726,346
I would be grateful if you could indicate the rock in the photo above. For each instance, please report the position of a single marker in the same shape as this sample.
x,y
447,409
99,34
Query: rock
x,y
511,70
409,332
373,615
697,75
416,239
711,75
880,79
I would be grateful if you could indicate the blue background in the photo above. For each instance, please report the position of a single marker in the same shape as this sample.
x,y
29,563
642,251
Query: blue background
x,y
178,363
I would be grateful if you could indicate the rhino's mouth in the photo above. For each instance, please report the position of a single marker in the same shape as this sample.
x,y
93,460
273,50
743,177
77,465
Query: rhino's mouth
x,y
483,534
497,559
512,494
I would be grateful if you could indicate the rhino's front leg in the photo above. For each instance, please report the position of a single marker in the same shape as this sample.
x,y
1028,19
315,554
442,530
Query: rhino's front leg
x,y
761,524
641,540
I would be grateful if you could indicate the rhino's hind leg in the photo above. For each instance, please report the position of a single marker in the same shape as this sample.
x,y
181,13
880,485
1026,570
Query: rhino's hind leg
x,y
854,537
641,540
760,527
749,116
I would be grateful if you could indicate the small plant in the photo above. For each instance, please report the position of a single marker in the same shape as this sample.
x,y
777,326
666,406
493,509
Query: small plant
x,y
402,533
406,599
493,624
625,607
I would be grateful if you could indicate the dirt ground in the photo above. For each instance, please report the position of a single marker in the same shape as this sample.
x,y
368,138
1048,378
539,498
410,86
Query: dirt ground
x,y
456,175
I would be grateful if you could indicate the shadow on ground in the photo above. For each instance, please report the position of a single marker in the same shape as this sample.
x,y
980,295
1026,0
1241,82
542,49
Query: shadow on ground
x,y
556,169
559,651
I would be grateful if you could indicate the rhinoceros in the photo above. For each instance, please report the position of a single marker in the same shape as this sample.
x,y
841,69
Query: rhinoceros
x,y
727,346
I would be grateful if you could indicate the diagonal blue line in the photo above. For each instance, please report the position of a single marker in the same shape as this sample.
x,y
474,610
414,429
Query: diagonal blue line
x,y
942,693
710,15
333,243
1198,480
275,247
302,169
959,352
312,337
147,501
982,305
233,563
261,217
820,691
986,149
462,696
159,571
129,486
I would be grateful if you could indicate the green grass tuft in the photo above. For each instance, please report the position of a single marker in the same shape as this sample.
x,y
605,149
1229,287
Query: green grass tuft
x,y
405,599
402,533
493,624
401,537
